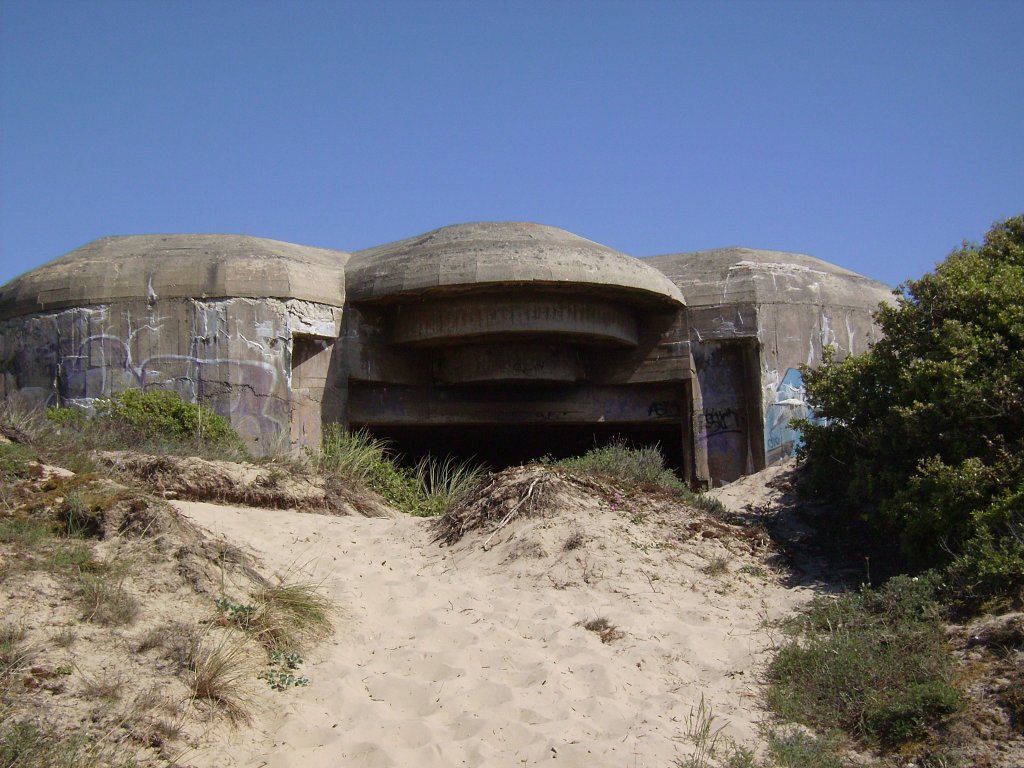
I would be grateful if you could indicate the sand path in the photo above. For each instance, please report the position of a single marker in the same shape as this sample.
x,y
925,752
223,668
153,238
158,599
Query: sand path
x,y
443,657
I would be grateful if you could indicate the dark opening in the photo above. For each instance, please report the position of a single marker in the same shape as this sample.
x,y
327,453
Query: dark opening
x,y
505,446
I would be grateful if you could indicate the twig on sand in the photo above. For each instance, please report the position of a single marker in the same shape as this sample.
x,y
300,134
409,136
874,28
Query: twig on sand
x,y
512,512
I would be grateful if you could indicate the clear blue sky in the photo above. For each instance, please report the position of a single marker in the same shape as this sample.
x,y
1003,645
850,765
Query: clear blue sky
x,y
877,135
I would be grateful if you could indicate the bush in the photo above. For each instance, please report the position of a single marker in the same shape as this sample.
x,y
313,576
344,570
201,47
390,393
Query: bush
x,y
155,420
639,468
925,432
872,663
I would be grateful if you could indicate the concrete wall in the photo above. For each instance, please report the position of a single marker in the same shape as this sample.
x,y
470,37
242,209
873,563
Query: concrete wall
x,y
234,355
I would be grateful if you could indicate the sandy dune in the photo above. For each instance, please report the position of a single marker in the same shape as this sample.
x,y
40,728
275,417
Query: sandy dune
x,y
464,656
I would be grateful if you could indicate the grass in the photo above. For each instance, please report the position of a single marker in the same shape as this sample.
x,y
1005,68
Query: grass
x,y
444,482
429,489
289,616
28,745
105,601
719,566
873,663
15,654
220,672
642,467
702,733
604,629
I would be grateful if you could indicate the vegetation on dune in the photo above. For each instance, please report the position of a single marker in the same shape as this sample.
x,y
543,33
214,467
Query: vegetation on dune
x,y
152,421
924,433
429,489
643,468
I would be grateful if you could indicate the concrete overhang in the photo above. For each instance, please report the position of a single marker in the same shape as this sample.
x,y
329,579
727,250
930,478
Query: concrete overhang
x,y
490,256
152,267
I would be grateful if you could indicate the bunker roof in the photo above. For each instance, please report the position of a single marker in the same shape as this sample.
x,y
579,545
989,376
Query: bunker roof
x,y
747,275
178,266
491,255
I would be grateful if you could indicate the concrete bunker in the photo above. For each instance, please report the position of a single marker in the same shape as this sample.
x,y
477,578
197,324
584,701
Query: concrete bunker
x,y
500,340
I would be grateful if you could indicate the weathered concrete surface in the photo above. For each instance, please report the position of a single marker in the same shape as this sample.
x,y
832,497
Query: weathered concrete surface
x,y
478,255
789,307
470,326
231,354
155,267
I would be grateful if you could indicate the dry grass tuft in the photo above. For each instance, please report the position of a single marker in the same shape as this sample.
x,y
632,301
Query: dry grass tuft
x,y
604,629
221,672
289,616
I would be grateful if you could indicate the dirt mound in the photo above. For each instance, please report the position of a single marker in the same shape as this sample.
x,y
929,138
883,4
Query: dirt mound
x,y
109,603
272,485
566,529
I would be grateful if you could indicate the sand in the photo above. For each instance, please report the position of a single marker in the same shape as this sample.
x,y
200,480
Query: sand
x,y
464,656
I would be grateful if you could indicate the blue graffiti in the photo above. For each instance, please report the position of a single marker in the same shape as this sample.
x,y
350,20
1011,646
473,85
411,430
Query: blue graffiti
x,y
781,439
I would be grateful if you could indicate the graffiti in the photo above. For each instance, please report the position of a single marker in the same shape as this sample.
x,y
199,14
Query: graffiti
x,y
781,439
719,421
665,409
93,355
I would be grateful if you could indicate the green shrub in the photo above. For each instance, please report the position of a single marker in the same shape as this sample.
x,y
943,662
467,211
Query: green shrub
x,y
156,420
14,460
162,412
873,663
637,467
924,433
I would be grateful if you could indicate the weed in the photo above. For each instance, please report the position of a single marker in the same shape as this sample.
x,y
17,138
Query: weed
x,y
753,570
795,748
872,663
77,519
15,655
106,688
719,566
445,482
75,556
15,460
240,615
642,467
219,672
700,730
575,539
105,600
26,532
604,629
64,638
291,614
28,745
280,675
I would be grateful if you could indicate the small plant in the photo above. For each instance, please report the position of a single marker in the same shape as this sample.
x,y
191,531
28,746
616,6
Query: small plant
x,y
64,670
576,538
239,614
105,600
873,663
290,614
445,482
219,672
280,675
753,570
26,744
700,730
719,566
64,638
15,655
796,748
604,629
107,688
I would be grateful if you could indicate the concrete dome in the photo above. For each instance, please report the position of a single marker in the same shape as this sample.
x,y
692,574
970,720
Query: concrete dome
x,y
178,266
731,275
494,254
